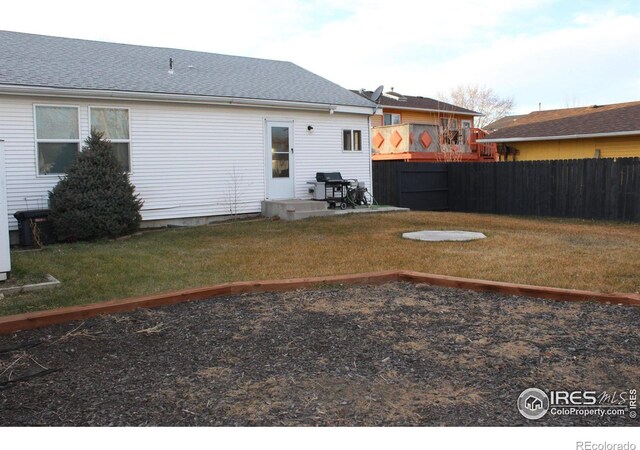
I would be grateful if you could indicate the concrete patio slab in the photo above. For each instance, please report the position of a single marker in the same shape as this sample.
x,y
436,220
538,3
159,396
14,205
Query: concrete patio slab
x,y
296,209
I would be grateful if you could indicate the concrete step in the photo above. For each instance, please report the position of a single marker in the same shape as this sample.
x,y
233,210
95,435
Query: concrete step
x,y
306,214
286,208
306,205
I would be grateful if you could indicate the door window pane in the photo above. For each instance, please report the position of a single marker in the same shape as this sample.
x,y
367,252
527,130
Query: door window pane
x,y
280,139
55,158
280,165
280,152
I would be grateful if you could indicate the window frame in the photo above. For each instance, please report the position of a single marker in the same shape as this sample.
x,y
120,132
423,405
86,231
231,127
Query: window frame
x,y
450,135
52,141
450,121
116,141
352,140
392,116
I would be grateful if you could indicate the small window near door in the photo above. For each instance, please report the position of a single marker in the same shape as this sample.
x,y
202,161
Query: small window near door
x,y
391,119
352,140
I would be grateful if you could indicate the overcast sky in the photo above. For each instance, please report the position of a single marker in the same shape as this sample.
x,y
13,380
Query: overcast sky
x,y
559,53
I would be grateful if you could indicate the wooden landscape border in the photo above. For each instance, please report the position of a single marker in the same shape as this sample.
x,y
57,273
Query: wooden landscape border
x,y
11,324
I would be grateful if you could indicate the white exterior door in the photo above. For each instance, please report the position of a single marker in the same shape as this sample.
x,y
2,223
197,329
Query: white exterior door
x,y
5,257
279,161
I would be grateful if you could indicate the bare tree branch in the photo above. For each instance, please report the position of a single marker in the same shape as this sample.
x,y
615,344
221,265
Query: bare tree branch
x,y
482,99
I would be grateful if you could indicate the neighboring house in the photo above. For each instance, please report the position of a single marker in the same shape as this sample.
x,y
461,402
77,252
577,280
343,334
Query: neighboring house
x,y
599,131
201,134
504,122
413,128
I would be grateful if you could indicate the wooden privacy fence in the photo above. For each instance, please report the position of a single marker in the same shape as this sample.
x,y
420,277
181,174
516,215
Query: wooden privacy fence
x,y
607,189
419,186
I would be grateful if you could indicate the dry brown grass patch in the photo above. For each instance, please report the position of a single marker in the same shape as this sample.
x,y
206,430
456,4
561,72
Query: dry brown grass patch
x,y
576,254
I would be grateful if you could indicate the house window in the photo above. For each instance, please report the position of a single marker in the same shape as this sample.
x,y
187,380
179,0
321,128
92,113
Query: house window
x,y
449,131
57,138
391,119
352,140
449,124
114,123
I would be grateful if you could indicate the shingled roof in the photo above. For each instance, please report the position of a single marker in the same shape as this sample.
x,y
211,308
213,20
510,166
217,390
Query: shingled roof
x,y
504,122
604,120
396,100
52,62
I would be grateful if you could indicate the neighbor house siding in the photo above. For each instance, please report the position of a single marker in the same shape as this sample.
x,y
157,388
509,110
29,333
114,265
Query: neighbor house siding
x,y
377,121
189,160
612,147
410,116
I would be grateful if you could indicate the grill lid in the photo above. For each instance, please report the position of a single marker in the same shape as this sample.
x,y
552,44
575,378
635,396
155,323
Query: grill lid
x,y
328,177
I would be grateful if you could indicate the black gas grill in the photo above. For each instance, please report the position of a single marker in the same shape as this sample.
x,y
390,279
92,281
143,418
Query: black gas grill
x,y
335,188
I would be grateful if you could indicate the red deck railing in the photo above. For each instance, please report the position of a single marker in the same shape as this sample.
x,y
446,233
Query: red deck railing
x,y
484,151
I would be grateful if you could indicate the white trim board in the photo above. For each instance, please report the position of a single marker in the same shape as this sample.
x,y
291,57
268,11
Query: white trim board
x,y
566,137
180,98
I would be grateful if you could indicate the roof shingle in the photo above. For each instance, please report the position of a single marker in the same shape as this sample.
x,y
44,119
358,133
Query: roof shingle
x,y
54,62
573,122
417,102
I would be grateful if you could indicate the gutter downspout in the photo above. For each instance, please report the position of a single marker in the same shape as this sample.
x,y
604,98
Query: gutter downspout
x,y
375,110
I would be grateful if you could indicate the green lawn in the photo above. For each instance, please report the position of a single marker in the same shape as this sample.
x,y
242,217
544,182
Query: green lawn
x,y
561,253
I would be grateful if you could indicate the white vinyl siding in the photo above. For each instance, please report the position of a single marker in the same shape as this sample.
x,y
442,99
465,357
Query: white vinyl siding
x,y
188,160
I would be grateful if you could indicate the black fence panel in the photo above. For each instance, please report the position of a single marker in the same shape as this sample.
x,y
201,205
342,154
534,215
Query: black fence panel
x,y
604,189
419,186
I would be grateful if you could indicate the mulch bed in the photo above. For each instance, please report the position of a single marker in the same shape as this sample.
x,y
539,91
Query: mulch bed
x,y
396,354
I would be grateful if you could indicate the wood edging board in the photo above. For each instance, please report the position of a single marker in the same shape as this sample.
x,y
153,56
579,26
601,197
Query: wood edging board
x,y
11,324
524,290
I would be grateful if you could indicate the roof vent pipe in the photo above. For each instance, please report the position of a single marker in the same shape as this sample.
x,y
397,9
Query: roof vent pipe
x,y
170,65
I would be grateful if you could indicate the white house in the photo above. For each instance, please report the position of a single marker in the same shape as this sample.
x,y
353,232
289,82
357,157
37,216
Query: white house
x,y
202,134
5,257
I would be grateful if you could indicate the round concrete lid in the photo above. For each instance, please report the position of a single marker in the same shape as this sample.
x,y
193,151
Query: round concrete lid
x,y
440,236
